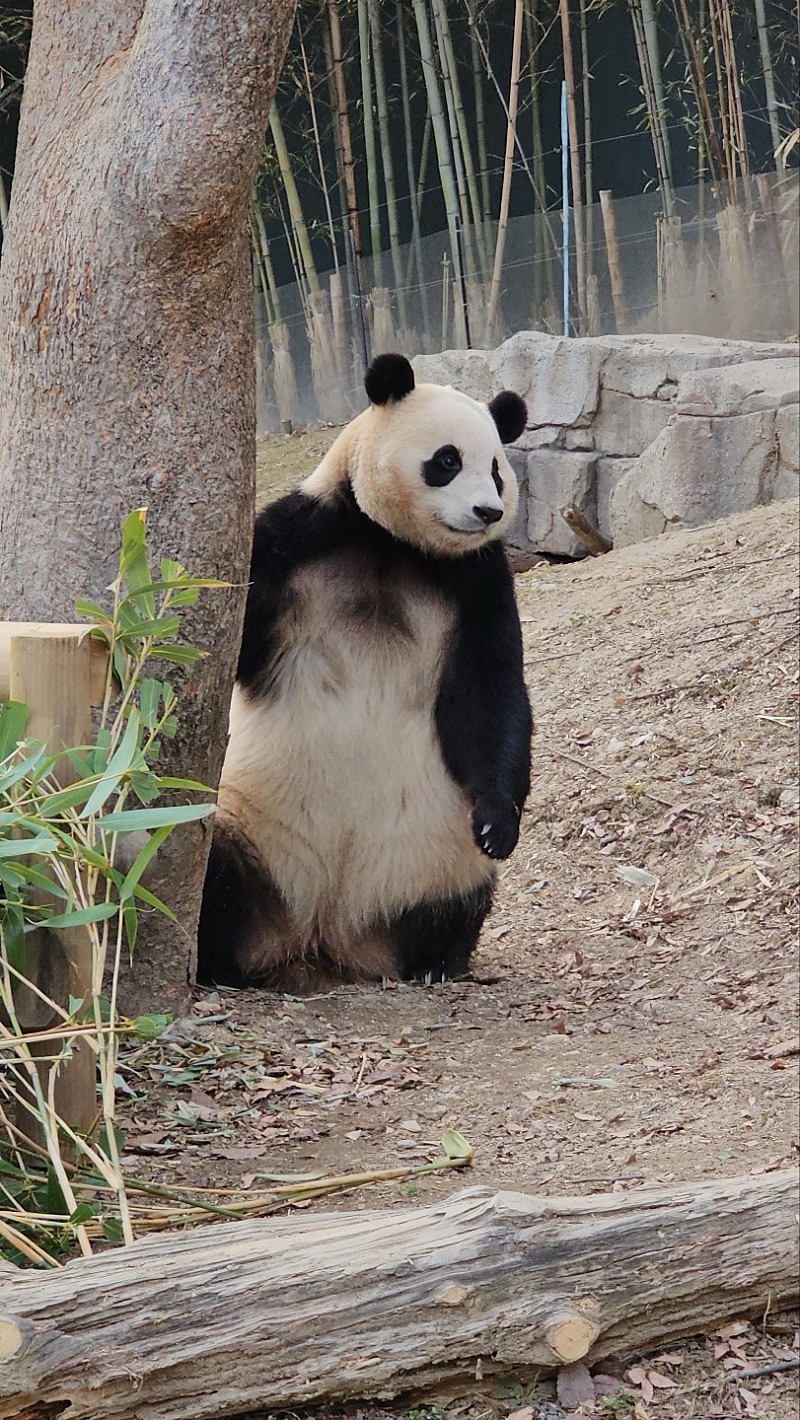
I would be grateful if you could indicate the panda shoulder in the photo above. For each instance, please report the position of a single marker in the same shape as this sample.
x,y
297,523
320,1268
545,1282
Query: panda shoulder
x,y
298,522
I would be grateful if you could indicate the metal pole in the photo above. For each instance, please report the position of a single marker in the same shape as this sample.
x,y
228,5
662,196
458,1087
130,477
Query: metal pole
x,y
565,206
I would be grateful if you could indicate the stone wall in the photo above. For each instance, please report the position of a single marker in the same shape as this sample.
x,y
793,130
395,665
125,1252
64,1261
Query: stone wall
x,y
638,432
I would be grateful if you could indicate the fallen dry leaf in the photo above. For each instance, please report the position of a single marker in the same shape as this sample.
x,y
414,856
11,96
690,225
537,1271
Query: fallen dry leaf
x,y
574,1386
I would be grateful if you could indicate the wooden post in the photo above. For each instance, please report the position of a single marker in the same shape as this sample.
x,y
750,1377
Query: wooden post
x,y
614,269
59,673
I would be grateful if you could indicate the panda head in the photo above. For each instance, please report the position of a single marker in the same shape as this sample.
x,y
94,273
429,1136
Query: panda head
x,y
428,463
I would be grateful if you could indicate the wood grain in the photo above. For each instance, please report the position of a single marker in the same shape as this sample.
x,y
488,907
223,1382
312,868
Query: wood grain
x,y
293,1311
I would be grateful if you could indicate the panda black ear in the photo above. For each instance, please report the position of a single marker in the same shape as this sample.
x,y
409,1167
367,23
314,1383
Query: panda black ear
x,y
388,377
510,414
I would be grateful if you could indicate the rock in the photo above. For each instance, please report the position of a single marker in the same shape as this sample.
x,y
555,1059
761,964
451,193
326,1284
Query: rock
x,y
517,532
466,370
650,366
608,473
557,377
626,425
697,470
787,430
556,478
739,389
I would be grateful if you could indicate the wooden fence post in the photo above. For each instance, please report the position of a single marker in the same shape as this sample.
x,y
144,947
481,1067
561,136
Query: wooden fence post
x,y
59,673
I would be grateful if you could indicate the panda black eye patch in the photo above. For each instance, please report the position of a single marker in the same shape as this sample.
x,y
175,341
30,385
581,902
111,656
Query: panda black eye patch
x,y
442,467
496,479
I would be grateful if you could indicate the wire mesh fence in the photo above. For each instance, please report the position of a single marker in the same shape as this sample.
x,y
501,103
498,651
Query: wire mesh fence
x,y
724,265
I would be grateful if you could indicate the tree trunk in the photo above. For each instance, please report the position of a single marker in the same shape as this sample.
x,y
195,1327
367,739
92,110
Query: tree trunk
x,y
126,344
296,1311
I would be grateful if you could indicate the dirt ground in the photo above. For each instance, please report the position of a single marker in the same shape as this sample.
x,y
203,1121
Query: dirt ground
x,y
631,1016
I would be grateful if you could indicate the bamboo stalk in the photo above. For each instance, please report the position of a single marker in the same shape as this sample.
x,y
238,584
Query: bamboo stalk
x,y
436,111
769,84
415,249
343,124
388,163
480,120
293,199
664,184
312,108
369,143
654,59
587,141
266,259
575,163
459,130
508,158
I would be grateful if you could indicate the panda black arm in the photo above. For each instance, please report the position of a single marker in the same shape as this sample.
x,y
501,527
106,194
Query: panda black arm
x,y
483,715
288,533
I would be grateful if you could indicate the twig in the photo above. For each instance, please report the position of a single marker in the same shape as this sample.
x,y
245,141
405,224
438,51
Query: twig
x,y
773,1369
606,774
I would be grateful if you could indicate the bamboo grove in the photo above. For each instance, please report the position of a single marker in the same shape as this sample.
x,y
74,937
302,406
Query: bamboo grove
x,y
419,153
399,119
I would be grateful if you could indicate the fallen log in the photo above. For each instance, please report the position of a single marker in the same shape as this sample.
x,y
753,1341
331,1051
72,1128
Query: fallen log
x,y
284,1312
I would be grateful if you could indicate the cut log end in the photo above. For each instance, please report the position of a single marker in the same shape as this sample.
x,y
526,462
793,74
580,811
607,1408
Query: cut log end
x,y
571,1336
12,1337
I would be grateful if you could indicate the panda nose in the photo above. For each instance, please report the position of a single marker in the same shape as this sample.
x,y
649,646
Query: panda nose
x,y
486,514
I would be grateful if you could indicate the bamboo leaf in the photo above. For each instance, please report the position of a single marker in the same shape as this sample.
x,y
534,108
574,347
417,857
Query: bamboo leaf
x,y
118,765
16,847
128,820
142,859
133,562
179,655
13,719
98,912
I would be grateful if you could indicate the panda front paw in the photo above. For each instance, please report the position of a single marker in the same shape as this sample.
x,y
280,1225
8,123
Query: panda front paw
x,y
495,826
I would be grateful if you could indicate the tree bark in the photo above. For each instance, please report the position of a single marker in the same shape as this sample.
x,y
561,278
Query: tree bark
x,y
287,1312
126,344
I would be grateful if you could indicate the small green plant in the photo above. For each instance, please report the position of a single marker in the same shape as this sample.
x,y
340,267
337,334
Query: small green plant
x,y
77,832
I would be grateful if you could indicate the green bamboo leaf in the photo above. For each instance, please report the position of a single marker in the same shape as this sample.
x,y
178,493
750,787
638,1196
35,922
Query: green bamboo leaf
x,y
167,781
133,566
23,769
93,610
55,804
118,765
82,916
149,701
152,901
455,1146
13,719
160,626
150,1027
16,847
82,1214
179,655
142,859
128,820
12,935
130,923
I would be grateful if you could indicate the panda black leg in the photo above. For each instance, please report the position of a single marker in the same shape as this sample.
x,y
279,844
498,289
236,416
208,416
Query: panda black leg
x,y
241,912
434,940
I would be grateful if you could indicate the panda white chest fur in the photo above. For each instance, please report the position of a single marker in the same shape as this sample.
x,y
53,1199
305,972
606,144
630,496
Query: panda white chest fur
x,y
338,777
379,752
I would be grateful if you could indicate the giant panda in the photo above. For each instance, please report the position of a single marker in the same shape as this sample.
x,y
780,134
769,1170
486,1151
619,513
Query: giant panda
x,y
379,751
